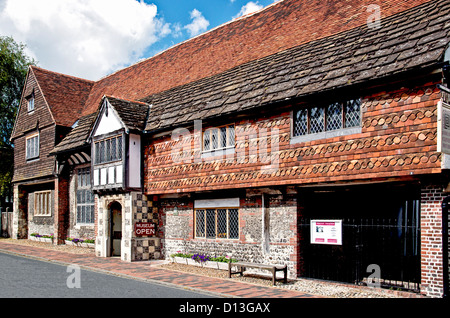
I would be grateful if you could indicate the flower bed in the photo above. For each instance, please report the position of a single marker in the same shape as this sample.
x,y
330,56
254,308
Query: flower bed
x,y
90,243
41,238
202,260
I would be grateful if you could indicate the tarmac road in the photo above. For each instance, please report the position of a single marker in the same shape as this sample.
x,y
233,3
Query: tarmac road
x,y
22,277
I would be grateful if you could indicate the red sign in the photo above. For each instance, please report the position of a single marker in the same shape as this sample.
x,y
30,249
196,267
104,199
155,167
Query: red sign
x,y
144,229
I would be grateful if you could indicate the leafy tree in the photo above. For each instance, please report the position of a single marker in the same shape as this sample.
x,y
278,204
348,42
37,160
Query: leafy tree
x,y
14,65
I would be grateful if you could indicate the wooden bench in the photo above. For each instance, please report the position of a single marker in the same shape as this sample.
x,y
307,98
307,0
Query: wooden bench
x,y
241,266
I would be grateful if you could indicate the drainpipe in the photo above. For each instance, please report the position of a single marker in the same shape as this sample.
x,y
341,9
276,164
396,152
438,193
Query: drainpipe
x,y
445,207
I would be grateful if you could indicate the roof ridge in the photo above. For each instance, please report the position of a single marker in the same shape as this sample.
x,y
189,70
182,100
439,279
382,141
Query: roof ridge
x,y
126,100
61,74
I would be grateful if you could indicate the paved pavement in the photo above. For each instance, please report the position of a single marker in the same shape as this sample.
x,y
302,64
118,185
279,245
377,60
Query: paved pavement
x,y
148,271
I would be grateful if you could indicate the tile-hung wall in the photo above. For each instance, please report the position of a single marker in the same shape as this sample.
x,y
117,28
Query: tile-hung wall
x,y
390,122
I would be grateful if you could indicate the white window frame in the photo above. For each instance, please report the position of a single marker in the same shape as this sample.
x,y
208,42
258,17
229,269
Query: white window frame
x,y
32,147
86,204
30,103
43,203
230,140
228,206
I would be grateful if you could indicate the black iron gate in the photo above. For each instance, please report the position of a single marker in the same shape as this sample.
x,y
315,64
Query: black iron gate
x,y
391,245
380,230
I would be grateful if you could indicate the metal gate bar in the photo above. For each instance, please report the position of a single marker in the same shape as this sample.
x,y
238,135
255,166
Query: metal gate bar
x,y
391,244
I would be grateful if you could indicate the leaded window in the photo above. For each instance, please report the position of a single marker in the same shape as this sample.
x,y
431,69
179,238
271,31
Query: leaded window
x,y
220,223
334,116
85,197
218,138
32,147
108,150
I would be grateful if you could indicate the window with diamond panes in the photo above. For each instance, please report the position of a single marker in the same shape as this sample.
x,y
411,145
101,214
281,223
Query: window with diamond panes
x,y
217,223
108,150
332,117
353,113
218,138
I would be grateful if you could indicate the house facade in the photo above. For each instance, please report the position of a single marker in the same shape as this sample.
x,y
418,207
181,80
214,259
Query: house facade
x,y
323,149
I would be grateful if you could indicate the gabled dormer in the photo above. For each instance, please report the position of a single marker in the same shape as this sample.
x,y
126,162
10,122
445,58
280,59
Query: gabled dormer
x,y
116,149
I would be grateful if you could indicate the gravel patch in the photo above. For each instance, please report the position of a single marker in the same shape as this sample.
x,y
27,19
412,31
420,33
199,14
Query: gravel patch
x,y
63,248
326,289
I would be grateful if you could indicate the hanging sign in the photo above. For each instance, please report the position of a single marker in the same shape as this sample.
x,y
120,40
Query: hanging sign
x,y
326,232
144,229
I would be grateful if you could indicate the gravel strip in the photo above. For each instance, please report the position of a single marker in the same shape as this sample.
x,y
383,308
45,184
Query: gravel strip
x,y
62,248
330,290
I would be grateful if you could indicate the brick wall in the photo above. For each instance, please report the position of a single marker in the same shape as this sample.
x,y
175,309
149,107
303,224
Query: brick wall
x,y
431,240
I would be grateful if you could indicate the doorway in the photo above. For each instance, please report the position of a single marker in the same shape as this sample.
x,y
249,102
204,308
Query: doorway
x,y
116,228
380,225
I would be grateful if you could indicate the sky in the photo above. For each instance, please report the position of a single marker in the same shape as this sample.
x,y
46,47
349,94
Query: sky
x,y
94,38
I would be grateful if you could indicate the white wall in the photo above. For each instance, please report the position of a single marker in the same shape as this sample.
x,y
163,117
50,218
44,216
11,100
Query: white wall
x,y
108,123
134,165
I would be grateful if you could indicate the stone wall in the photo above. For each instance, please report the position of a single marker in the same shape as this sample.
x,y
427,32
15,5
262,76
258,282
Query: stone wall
x,y
267,235
136,207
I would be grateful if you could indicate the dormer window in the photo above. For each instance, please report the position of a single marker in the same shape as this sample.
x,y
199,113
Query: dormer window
x,y
30,102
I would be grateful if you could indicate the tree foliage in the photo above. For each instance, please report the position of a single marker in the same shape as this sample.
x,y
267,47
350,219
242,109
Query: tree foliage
x,y
14,65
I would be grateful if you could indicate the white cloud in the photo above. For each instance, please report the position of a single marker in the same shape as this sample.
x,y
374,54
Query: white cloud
x,y
248,8
85,38
199,23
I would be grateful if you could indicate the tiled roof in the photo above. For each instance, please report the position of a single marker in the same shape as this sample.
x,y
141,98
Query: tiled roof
x,y
407,41
283,25
132,113
289,49
65,95
78,136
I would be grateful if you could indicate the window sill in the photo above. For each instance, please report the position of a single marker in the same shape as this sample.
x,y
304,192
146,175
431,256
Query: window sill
x,y
219,152
326,135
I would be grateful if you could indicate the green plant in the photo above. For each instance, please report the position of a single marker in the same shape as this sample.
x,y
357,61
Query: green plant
x,y
179,254
223,259
203,257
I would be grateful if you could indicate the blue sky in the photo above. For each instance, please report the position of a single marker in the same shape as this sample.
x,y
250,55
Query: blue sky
x,y
94,38
216,12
